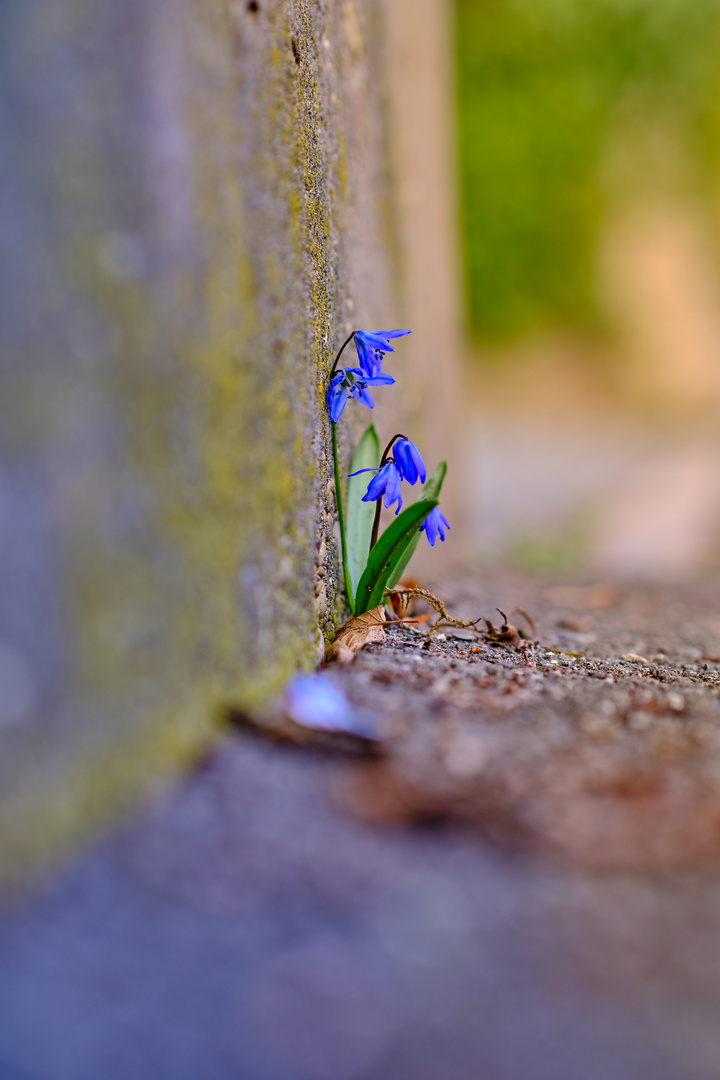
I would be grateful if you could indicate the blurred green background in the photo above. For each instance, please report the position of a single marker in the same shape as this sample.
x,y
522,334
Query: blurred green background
x,y
569,109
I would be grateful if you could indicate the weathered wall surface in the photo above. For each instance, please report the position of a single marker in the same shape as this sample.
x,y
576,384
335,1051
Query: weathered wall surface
x,y
197,203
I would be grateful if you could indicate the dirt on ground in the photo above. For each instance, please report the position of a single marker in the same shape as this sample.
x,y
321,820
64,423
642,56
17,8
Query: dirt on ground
x,y
422,900
594,737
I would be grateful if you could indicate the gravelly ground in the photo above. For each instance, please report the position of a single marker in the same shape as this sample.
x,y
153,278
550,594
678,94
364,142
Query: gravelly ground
x,y
598,741
521,885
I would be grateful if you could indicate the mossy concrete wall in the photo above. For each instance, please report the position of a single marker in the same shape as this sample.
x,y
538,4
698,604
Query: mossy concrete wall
x,y
198,200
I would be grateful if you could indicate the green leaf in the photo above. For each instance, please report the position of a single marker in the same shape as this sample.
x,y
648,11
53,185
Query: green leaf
x,y
431,490
434,485
386,554
360,515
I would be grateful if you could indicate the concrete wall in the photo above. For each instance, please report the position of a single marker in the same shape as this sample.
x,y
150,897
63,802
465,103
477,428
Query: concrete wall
x,y
198,200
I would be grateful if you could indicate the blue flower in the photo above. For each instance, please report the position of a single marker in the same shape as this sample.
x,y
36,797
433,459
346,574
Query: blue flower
x,y
409,461
387,481
353,382
435,523
371,345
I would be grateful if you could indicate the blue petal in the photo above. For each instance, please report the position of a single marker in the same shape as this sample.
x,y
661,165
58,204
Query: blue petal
x,y
365,396
337,400
379,379
404,460
392,333
366,355
435,523
417,461
392,489
377,484
374,341
430,527
361,471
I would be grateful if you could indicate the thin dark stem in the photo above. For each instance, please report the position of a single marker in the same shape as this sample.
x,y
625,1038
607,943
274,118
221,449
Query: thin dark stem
x,y
378,504
376,523
345,343
386,451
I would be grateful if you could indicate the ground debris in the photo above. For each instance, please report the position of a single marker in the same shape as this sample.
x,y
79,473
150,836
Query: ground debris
x,y
406,594
356,632
609,757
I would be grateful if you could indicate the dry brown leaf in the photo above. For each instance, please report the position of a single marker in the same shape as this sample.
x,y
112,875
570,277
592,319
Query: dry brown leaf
x,y
355,633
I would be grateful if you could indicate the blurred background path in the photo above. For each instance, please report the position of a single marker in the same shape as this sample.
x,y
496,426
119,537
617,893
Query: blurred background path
x,y
589,166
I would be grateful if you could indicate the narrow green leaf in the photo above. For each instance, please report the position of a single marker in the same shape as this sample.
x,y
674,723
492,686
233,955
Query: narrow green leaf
x,y
434,485
431,490
386,554
359,514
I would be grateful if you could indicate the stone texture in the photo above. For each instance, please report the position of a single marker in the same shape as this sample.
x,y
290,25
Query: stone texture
x,y
197,203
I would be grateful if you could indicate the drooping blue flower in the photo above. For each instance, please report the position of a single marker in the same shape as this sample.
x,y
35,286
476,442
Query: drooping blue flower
x,y
353,382
387,482
338,394
409,461
435,524
372,345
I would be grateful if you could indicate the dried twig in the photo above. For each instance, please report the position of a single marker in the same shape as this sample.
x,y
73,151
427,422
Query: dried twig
x,y
408,594
507,634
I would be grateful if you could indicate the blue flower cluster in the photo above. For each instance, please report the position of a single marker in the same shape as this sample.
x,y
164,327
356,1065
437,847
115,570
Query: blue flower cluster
x,y
406,462
371,347
353,382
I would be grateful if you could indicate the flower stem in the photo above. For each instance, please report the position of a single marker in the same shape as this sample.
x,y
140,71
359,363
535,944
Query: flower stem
x,y
376,523
341,517
387,449
345,343
378,504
